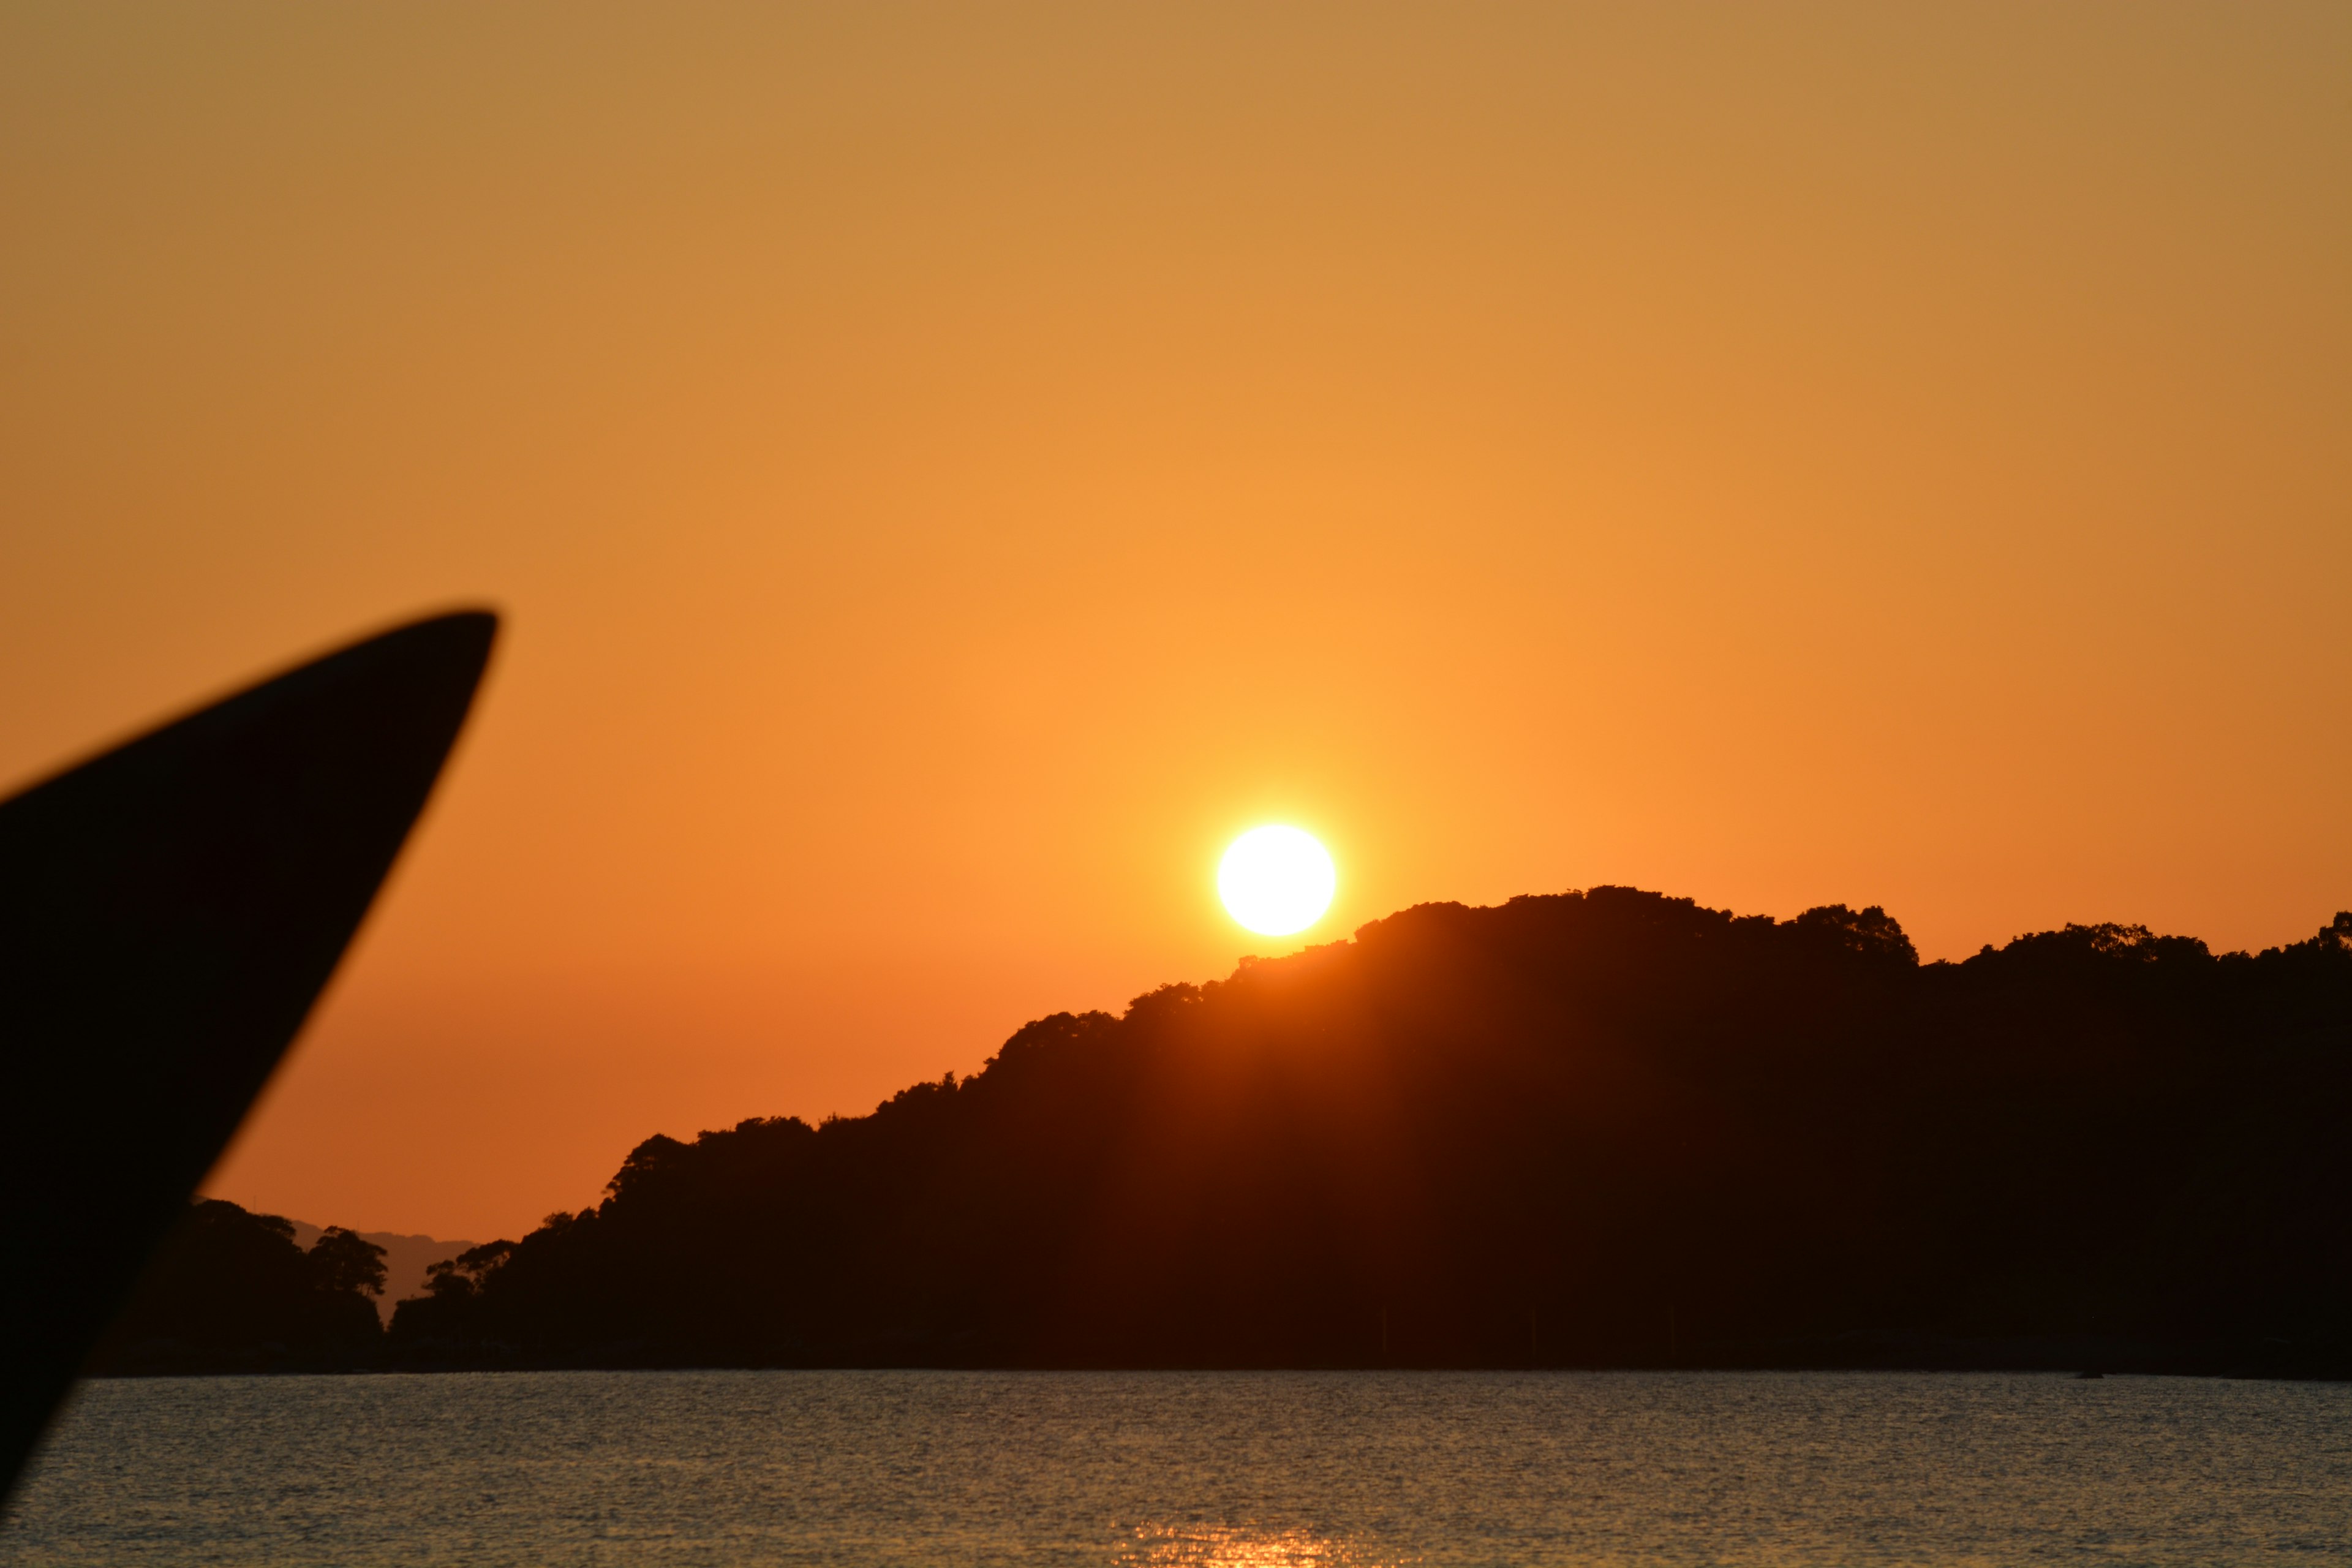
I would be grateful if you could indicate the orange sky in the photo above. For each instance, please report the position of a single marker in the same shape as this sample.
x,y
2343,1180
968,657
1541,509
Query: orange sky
x,y
948,468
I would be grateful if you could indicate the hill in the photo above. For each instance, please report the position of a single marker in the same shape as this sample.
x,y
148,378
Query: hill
x,y
1606,1128
231,1290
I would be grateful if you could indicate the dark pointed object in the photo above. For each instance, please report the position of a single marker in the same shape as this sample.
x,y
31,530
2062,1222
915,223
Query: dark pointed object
x,y
169,912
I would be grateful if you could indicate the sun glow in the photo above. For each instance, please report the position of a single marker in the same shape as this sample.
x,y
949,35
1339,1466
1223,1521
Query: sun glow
x,y
1276,880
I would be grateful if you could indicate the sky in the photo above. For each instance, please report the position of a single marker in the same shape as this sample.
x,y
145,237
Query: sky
x,y
949,469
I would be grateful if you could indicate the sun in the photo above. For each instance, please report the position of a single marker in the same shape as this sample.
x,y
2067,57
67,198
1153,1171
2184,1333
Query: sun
x,y
1276,880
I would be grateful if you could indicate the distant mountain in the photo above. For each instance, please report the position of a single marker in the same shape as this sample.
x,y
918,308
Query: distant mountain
x,y
1607,1128
406,1260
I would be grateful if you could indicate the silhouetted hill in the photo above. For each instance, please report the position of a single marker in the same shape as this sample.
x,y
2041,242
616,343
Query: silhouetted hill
x,y
231,1292
1606,1128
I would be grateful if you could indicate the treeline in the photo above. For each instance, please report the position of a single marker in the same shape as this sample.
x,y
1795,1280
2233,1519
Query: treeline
x,y
1607,1128
231,1292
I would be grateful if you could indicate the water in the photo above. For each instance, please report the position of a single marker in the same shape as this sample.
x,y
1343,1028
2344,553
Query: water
x,y
1113,1469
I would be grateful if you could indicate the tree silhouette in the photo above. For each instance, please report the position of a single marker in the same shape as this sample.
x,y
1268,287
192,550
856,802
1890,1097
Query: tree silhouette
x,y
230,1290
341,1261
1598,1127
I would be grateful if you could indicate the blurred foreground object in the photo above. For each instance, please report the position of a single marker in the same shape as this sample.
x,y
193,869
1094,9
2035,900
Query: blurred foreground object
x,y
169,912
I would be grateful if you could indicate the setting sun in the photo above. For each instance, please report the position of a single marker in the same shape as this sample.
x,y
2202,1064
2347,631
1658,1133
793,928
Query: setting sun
x,y
1276,880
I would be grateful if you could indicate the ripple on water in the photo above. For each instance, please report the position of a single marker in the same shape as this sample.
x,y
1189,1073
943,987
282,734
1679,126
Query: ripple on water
x,y
1238,1470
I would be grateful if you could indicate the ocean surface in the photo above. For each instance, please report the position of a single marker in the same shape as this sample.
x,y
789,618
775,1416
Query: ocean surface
x,y
1191,1469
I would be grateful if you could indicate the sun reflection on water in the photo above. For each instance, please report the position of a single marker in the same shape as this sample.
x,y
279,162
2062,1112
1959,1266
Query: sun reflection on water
x,y
1224,1546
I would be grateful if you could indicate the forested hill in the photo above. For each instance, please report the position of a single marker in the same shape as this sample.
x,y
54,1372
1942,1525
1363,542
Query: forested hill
x,y
233,1291
1605,1128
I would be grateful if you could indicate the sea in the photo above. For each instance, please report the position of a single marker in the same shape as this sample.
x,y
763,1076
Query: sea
x,y
1230,1469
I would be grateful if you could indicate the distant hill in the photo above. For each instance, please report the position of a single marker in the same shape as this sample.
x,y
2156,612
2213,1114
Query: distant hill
x,y
406,1260
1607,1128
